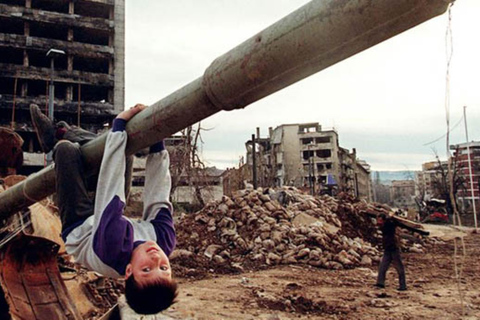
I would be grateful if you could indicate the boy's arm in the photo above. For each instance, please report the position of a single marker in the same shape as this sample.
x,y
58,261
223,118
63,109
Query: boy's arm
x,y
157,206
113,234
158,182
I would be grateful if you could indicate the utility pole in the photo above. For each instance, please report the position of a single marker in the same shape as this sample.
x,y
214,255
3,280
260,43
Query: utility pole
x,y
310,172
254,163
52,54
311,169
313,173
470,169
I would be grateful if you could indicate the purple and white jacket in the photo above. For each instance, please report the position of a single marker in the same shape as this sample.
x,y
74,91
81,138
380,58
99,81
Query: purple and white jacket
x,y
105,241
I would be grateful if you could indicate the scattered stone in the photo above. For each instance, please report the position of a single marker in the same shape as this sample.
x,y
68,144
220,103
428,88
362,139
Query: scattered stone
x,y
254,228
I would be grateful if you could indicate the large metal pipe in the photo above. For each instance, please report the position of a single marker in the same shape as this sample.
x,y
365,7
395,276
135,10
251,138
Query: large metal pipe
x,y
314,37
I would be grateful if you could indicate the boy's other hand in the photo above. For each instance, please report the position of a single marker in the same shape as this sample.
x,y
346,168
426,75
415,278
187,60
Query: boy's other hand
x,y
129,113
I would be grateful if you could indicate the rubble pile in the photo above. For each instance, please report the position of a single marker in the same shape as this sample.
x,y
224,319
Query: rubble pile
x,y
257,228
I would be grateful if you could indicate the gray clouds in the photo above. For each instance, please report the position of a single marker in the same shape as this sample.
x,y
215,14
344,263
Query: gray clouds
x,y
386,101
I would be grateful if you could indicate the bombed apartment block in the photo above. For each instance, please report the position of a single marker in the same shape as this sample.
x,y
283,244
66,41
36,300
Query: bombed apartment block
x,y
68,54
306,156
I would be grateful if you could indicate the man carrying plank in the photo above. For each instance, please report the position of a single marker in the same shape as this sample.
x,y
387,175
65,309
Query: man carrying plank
x,y
391,247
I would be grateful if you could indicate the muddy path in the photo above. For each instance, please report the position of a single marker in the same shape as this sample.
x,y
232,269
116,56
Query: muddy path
x,y
305,292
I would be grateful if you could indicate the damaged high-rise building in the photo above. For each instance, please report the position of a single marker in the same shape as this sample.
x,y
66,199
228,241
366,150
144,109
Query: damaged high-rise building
x,y
306,156
79,44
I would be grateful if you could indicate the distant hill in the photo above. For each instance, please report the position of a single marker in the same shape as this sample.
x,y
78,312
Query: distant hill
x,y
386,177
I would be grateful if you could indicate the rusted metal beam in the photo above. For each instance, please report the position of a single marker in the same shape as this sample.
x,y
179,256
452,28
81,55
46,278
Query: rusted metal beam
x,y
314,37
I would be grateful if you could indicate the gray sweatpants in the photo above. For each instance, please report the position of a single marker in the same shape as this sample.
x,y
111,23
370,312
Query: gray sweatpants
x,y
392,257
72,185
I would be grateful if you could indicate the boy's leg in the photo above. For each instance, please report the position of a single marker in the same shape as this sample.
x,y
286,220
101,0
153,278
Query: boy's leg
x,y
74,203
81,136
73,133
43,127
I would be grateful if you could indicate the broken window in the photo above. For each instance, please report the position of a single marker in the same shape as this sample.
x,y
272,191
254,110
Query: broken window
x,y
19,3
91,36
307,154
307,141
90,65
11,26
322,139
48,31
324,153
92,9
94,94
11,56
51,5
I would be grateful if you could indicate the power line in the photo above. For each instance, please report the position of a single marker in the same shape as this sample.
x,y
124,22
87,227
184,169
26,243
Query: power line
x,y
443,136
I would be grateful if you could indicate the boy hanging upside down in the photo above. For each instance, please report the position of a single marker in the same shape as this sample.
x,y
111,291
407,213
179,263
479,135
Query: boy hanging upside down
x,y
96,233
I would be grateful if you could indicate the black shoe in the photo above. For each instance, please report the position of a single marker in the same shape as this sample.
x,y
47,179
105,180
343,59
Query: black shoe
x,y
378,285
43,127
402,289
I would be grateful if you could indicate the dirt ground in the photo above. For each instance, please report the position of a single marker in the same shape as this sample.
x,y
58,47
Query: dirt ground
x,y
304,292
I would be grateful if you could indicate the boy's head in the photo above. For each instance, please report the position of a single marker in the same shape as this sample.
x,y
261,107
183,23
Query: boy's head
x,y
149,287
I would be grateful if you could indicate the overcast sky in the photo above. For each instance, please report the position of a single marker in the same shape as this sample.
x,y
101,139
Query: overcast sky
x,y
388,102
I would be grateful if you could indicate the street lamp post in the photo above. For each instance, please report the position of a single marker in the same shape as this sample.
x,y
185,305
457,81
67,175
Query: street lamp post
x,y
52,54
311,168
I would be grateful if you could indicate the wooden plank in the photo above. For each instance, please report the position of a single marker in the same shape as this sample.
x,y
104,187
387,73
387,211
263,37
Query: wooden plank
x,y
375,212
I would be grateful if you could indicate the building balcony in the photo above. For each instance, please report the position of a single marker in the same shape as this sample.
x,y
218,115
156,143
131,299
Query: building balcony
x,y
315,146
54,18
79,49
39,73
318,160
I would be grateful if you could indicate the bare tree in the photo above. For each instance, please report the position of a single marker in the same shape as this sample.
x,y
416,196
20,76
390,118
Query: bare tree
x,y
178,159
190,168
186,165
440,182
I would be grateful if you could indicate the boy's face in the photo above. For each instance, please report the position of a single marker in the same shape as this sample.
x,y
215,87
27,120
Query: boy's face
x,y
148,264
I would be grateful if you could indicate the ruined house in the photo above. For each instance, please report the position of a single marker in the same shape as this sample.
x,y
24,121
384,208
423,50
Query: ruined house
x,y
424,180
305,156
77,44
402,193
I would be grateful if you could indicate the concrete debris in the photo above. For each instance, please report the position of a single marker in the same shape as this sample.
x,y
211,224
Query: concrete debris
x,y
253,230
